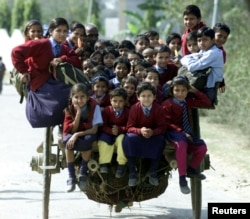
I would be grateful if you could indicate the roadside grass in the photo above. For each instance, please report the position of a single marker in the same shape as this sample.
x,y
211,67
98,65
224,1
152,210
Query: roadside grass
x,y
227,144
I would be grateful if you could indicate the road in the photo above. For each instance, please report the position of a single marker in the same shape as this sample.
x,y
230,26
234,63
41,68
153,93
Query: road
x,y
21,188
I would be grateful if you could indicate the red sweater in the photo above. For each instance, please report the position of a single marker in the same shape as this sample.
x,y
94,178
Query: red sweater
x,y
34,57
173,111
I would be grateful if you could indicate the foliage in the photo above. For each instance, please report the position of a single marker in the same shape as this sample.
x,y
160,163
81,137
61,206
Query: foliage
x,y
31,10
95,18
5,15
17,15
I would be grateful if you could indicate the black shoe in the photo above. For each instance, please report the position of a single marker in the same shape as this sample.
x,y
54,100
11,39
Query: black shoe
x,y
120,172
71,184
193,173
184,185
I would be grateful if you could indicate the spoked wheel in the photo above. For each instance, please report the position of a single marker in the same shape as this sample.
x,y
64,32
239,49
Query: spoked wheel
x,y
46,171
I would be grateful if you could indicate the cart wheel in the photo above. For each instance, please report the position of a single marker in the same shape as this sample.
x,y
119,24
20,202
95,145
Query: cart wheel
x,y
46,172
196,193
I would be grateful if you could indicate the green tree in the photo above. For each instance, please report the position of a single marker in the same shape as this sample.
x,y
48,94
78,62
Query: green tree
x,y
5,15
31,10
17,15
95,19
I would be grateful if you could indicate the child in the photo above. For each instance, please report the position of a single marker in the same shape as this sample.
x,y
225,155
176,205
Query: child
x,y
144,138
141,42
121,70
129,84
192,21
179,132
222,32
192,44
174,43
166,69
100,85
97,56
133,56
125,46
112,132
209,56
139,66
153,37
109,56
47,97
76,37
33,30
148,55
88,66
81,121
152,76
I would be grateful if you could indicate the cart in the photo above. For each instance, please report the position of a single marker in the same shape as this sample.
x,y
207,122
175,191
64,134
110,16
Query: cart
x,y
106,188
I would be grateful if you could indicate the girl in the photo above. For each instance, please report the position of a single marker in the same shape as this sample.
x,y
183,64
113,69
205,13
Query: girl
x,y
129,84
88,66
47,97
81,121
76,37
100,88
139,67
145,129
33,30
179,132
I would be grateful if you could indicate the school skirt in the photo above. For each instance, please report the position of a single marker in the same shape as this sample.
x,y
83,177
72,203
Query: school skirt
x,y
83,143
137,146
44,107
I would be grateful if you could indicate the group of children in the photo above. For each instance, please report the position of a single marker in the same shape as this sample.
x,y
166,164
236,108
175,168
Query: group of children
x,y
137,100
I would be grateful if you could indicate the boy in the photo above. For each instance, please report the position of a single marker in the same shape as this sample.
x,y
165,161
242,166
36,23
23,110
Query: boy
x,y
145,129
209,56
125,46
192,44
112,132
153,37
141,42
166,69
192,21
148,55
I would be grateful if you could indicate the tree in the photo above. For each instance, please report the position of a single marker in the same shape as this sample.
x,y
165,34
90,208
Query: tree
x,y
31,11
5,21
95,19
17,15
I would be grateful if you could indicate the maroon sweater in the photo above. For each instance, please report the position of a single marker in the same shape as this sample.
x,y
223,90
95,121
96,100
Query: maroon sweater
x,y
34,57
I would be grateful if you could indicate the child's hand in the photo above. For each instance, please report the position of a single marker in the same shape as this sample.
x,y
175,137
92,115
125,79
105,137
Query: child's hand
x,y
25,78
192,89
222,89
188,136
146,132
71,142
115,130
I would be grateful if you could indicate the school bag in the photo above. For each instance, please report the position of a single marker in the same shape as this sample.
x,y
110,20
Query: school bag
x,y
197,78
69,74
16,81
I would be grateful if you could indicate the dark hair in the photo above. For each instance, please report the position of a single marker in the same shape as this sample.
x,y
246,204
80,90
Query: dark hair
x,y
126,44
101,69
31,23
136,53
151,33
161,49
122,60
129,80
141,37
75,25
100,76
54,23
205,31
118,92
192,36
148,70
221,26
192,9
145,86
142,62
172,36
111,50
178,80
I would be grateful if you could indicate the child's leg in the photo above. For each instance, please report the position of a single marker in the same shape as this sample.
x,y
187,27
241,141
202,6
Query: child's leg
x,y
181,156
198,153
121,158
85,158
70,162
105,152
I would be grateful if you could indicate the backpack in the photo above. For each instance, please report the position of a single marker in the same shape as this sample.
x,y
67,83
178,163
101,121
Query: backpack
x,y
198,78
16,81
70,75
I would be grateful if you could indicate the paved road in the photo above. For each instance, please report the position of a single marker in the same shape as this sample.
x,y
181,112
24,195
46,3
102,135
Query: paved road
x,y
21,189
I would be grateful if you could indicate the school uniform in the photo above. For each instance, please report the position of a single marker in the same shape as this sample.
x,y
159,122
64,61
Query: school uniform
x,y
134,144
167,73
90,116
175,130
47,97
107,142
132,100
102,101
